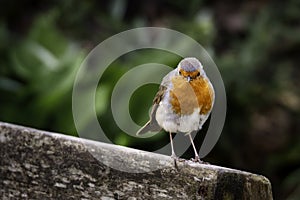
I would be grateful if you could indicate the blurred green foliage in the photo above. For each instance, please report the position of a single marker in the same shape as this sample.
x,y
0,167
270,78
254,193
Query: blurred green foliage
x,y
38,76
255,44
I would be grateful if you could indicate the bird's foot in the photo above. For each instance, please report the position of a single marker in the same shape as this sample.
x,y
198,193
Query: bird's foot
x,y
176,158
197,159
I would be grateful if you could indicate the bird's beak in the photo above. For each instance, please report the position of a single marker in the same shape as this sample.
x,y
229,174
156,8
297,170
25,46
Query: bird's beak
x,y
189,78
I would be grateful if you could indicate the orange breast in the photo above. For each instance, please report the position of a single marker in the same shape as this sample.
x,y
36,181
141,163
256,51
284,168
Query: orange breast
x,y
186,96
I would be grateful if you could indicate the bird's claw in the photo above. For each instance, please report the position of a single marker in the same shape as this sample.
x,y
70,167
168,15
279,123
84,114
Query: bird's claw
x,y
176,158
197,159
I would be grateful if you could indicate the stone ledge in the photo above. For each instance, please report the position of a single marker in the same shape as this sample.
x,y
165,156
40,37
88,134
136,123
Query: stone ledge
x,y
41,165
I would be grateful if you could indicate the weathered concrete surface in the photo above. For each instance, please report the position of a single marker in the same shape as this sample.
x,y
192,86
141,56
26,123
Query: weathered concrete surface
x,y
42,165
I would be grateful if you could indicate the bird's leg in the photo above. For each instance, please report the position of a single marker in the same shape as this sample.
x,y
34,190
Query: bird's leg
x,y
172,147
197,159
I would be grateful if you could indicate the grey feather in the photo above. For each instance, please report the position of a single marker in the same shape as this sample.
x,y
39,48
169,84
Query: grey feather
x,y
151,125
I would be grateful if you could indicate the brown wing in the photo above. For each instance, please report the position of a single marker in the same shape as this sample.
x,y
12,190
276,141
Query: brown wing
x,y
160,94
152,125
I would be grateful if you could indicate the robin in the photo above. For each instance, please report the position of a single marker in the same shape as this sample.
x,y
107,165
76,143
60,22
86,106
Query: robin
x,y
183,102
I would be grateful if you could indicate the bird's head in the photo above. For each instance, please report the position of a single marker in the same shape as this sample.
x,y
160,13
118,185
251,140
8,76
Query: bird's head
x,y
190,68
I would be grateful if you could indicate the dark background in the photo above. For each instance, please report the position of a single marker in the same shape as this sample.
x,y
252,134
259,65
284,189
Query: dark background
x,y
255,44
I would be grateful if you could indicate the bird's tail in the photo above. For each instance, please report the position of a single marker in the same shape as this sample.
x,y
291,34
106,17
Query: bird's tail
x,y
148,127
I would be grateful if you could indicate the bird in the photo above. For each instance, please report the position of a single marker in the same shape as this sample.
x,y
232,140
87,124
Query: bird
x,y
183,103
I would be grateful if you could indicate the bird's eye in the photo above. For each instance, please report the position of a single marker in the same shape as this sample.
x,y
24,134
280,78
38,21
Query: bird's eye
x,y
198,74
179,72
